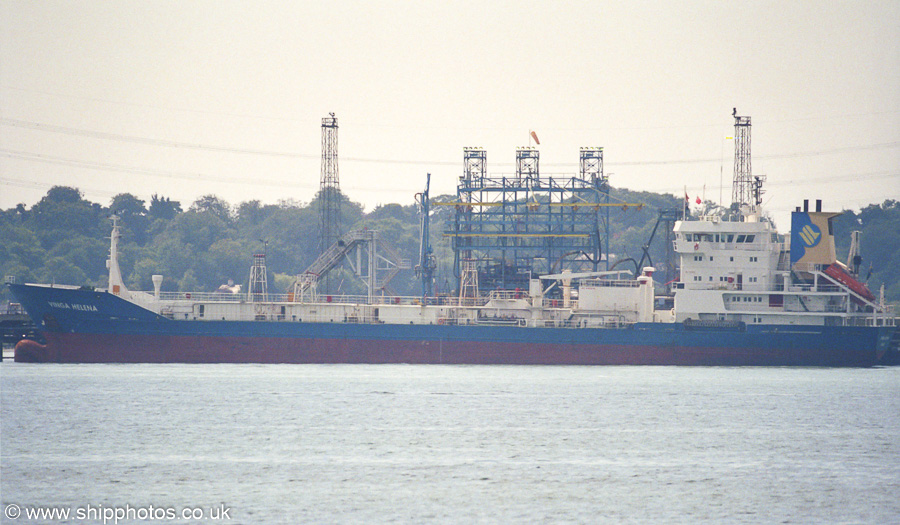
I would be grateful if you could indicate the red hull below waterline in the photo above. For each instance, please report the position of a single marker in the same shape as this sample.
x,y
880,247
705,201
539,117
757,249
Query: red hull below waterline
x,y
111,348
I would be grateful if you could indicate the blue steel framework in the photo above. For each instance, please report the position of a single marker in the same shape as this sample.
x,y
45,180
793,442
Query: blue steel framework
x,y
518,227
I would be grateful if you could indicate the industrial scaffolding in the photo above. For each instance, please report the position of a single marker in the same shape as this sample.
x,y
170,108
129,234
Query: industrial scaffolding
x,y
517,227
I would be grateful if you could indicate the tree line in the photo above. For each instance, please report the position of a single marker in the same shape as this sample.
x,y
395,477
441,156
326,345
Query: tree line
x,y
64,239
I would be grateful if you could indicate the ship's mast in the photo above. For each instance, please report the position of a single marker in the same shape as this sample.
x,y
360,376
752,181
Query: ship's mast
x,y
746,189
427,262
742,184
116,285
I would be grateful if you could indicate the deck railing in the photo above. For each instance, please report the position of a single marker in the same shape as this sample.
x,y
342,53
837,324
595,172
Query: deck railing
x,y
212,297
186,298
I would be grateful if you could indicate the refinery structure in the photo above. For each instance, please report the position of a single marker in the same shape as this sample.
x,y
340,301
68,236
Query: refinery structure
x,y
506,229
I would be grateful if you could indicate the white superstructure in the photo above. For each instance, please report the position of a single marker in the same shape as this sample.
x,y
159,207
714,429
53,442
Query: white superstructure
x,y
741,271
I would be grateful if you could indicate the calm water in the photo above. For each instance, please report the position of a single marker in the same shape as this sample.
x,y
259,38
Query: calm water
x,y
455,444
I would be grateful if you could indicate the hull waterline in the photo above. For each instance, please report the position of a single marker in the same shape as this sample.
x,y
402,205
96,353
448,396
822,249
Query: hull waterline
x,y
111,348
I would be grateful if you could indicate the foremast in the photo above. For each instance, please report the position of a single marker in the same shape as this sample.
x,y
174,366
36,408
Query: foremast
x,y
116,284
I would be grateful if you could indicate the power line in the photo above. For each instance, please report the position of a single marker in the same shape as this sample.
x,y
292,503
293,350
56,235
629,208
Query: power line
x,y
883,145
19,183
270,153
201,177
835,178
144,171
205,147
143,140
849,177
197,177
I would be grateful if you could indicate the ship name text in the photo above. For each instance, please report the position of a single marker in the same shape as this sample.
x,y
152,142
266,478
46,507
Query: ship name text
x,y
75,306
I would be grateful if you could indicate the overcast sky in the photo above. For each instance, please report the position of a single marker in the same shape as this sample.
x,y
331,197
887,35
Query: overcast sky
x,y
191,98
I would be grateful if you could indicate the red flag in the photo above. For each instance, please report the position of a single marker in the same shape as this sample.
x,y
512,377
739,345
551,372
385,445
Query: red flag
x,y
686,198
534,136
699,201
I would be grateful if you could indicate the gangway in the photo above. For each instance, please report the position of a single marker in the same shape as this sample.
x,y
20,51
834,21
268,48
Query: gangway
x,y
305,284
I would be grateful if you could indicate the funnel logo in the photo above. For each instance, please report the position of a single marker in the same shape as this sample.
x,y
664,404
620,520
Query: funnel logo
x,y
806,235
811,235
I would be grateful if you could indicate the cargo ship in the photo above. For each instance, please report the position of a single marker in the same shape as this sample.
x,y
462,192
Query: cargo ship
x,y
744,295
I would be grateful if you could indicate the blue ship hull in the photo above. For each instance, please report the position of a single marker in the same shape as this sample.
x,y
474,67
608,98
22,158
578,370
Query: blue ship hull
x,y
88,326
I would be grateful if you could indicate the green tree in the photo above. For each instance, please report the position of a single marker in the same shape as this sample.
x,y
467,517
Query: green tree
x,y
879,227
226,259
63,213
163,208
198,229
188,282
292,235
60,271
214,206
86,254
133,214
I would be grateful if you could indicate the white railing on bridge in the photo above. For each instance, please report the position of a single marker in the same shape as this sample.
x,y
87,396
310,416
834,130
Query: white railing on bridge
x,y
609,283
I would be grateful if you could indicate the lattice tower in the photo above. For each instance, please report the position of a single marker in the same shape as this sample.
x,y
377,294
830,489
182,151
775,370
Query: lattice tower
x,y
591,169
474,173
329,186
742,188
527,163
468,283
259,288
